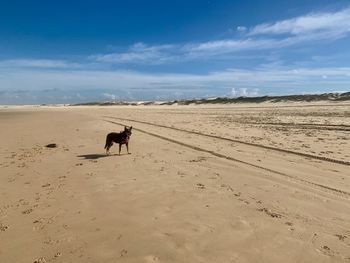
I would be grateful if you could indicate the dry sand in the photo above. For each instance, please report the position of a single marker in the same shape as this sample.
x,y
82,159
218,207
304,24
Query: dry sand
x,y
182,195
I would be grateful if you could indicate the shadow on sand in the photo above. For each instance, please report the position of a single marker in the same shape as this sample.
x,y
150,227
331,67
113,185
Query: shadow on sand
x,y
93,156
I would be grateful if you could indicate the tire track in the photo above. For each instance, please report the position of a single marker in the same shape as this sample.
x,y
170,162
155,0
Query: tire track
x,y
305,124
311,126
306,155
222,156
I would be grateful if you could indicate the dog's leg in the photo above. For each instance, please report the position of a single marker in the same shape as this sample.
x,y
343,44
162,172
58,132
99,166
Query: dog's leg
x,y
127,147
107,143
108,147
120,147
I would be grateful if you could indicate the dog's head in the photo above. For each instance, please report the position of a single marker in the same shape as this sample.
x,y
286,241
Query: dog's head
x,y
128,130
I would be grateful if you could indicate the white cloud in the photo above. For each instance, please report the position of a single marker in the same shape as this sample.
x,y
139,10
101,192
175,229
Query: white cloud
x,y
138,53
244,92
299,30
38,63
336,22
223,46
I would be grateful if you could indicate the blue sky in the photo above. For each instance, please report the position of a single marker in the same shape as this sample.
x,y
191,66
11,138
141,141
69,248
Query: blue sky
x,y
76,51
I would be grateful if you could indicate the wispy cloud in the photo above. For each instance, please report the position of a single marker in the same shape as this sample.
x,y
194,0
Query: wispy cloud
x,y
38,63
244,92
227,46
299,30
138,53
336,23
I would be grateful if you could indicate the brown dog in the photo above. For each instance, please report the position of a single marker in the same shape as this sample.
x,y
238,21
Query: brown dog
x,y
120,138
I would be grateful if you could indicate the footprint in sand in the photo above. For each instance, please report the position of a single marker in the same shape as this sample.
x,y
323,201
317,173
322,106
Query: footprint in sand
x,y
244,201
270,213
341,237
290,224
11,180
200,186
37,197
123,253
227,187
23,202
326,250
3,227
27,211
40,260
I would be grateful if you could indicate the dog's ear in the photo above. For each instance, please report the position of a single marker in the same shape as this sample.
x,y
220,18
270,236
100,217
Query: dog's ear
x,y
130,128
125,128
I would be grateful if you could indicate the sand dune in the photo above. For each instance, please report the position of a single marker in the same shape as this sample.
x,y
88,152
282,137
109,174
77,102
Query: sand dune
x,y
208,183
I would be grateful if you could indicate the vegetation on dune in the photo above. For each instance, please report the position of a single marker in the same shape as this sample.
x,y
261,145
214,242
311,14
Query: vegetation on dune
x,y
225,100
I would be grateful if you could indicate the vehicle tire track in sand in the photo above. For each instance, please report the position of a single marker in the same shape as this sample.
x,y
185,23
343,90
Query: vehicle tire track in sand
x,y
311,126
297,179
307,155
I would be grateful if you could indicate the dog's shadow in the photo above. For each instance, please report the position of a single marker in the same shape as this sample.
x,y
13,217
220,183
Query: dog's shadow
x,y
96,156
93,156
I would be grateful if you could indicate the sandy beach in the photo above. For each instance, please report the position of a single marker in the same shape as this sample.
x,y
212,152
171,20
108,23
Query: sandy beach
x,y
210,183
